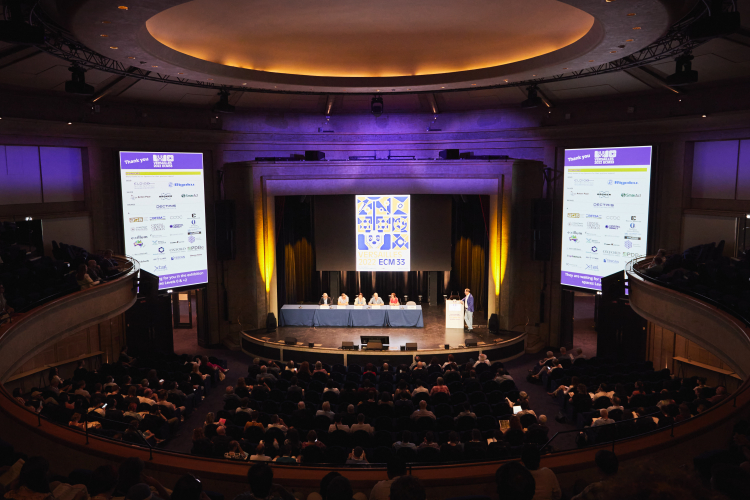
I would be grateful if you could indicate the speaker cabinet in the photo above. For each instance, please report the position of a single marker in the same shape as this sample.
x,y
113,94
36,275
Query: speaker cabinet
x,y
411,346
290,340
471,342
225,227
450,154
314,155
374,345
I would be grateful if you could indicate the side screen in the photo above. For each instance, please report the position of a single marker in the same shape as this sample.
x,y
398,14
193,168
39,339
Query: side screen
x,y
164,216
605,212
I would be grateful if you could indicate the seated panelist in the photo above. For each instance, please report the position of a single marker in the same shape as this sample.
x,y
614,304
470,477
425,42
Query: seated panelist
x,y
360,300
375,300
325,300
344,300
394,300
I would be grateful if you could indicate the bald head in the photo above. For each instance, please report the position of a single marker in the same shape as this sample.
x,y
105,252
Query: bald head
x,y
542,419
423,405
603,413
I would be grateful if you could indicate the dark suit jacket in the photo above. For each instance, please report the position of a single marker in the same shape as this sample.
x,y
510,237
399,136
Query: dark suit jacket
x,y
331,301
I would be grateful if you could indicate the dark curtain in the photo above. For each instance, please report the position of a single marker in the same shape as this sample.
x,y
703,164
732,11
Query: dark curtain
x,y
470,252
299,282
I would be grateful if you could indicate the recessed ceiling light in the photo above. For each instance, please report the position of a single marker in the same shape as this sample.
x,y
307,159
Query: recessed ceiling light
x,y
244,84
703,116
473,83
679,100
122,7
180,73
154,66
506,81
210,79
631,14
591,60
442,87
565,68
376,91
630,40
408,89
105,36
131,57
533,75
637,28
114,48
612,51
106,22
71,123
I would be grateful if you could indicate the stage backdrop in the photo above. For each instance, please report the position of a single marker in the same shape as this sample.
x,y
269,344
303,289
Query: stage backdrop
x,y
335,237
463,240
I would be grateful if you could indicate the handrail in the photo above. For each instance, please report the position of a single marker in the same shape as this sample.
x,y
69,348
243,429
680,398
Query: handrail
x,y
632,267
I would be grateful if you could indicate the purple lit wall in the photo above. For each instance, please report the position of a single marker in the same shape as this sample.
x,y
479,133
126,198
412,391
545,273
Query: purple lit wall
x,y
32,174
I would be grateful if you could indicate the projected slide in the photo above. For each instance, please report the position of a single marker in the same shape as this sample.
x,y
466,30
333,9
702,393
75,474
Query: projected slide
x,y
383,227
605,212
164,217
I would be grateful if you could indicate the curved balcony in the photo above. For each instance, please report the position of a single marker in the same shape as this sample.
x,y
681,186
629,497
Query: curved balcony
x,y
33,332
54,320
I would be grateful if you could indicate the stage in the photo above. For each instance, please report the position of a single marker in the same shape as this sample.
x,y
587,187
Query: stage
x,y
430,340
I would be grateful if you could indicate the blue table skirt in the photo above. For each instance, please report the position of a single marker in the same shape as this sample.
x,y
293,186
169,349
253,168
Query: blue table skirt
x,y
311,315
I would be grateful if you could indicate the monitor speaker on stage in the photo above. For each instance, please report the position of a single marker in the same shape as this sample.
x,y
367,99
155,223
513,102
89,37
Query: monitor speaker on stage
x,y
447,346
347,345
450,154
411,346
314,155
290,340
374,345
471,342
311,344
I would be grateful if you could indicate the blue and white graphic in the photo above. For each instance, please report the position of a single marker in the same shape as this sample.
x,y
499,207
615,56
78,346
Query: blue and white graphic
x,y
383,226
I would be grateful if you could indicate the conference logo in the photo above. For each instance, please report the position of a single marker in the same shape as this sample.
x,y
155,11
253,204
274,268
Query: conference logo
x,y
592,267
610,252
158,217
175,226
605,156
574,215
161,207
156,242
181,184
196,247
628,244
139,228
632,226
194,216
134,197
161,249
178,257
592,241
175,250
194,232
634,218
138,243
165,196
604,205
139,237
157,227
630,195
191,239
573,238
592,225
594,249
165,158
136,219
630,254
632,237
176,242
603,194
611,261
593,216
611,226
189,195
574,256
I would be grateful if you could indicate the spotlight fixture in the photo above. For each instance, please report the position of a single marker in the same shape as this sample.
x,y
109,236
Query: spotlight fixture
x,y
15,29
684,74
376,106
223,105
77,83
533,100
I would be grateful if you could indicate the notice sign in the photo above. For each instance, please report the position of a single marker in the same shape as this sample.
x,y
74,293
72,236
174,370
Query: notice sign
x,y
383,227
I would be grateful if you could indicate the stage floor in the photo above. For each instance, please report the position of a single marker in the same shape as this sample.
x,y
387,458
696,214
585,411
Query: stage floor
x,y
434,335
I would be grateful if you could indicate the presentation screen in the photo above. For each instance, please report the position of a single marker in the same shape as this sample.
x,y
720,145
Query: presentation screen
x,y
605,212
383,227
164,216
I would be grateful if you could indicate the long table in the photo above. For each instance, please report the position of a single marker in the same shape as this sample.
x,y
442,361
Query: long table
x,y
350,316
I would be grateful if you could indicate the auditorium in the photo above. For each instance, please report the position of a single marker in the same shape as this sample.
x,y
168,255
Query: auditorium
x,y
388,250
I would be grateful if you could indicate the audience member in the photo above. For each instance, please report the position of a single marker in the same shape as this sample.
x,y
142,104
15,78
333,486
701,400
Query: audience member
x,y
407,487
547,487
382,489
515,482
607,464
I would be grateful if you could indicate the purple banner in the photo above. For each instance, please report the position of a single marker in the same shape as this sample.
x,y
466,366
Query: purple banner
x,y
183,279
580,280
603,157
157,161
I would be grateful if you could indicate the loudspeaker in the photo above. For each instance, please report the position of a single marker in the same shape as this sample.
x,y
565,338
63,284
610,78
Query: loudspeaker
x,y
314,155
403,347
225,226
450,154
447,346
290,340
471,342
374,345
311,344
411,346
347,345
542,230
493,325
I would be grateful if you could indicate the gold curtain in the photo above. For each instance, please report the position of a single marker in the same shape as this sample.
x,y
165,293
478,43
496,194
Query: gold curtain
x,y
468,264
298,266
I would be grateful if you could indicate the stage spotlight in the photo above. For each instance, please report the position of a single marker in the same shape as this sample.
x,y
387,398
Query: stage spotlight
x,y
223,105
684,74
77,83
533,100
376,106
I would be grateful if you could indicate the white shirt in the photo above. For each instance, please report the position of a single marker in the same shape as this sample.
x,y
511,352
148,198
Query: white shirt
x,y
376,301
382,490
360,301
344,301
547,487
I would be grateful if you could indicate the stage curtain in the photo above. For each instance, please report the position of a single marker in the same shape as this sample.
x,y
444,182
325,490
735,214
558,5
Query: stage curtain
x,y
470,248
298,268
295,251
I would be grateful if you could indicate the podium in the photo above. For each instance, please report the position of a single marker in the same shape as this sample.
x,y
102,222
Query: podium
x,y
454,314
